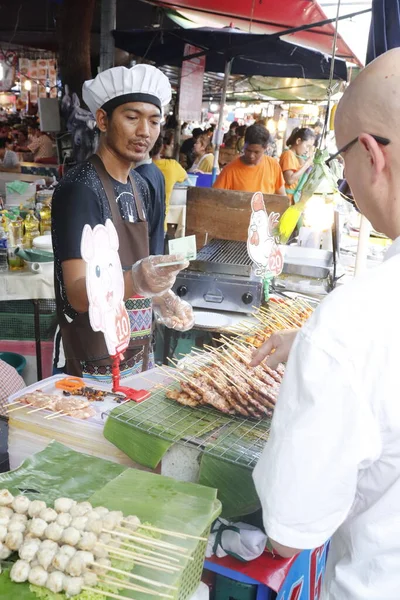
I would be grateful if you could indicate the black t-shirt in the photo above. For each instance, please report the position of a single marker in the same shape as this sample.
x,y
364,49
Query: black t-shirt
x,y
156,216
80,199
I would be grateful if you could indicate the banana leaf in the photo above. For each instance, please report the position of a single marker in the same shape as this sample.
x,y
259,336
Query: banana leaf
x,y
60,471
236,490
320,178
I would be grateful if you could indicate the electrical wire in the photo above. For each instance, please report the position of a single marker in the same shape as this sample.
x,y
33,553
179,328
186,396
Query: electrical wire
x,y
331,76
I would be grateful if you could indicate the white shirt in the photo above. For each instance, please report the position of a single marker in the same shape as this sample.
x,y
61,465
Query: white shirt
x,y
332,464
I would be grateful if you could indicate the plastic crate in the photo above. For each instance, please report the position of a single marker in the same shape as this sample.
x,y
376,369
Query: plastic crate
x,y
17,320
229,589
191,575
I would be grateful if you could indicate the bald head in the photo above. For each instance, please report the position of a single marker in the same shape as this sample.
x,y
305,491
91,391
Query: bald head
x,y
371,102
369,108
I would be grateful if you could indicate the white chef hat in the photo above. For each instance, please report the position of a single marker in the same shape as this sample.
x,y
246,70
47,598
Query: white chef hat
x,y
119,85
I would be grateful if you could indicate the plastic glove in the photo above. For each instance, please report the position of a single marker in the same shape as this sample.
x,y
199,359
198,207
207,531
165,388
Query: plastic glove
x,y
150,280
277,348
173,312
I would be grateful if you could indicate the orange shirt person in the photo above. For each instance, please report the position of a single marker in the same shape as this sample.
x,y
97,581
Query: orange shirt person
x,y
295,161
254,171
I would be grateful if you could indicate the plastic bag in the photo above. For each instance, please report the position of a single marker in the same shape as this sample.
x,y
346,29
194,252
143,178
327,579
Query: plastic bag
x,y
150,279
173,312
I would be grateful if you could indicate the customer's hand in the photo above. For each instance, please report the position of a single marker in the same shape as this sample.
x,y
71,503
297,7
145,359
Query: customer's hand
x,y
276,348
150,278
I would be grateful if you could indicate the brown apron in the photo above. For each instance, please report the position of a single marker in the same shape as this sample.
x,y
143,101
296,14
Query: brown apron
x,y
85,350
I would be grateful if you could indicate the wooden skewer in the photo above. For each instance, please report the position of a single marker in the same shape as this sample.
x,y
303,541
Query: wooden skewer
x,y
124,585
56,415
139,560
168,551
148,552
103,593
171,533
132,552
14,403
18,408
41,408
146,541
132,576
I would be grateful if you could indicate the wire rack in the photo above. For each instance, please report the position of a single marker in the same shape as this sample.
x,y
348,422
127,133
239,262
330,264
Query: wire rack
x,y
233,439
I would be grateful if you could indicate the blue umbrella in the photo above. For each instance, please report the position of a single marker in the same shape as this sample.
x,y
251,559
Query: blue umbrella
x,y
384,33
230,51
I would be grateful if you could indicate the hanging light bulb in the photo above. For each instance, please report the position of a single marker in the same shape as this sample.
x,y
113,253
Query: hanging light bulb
x,y
28,85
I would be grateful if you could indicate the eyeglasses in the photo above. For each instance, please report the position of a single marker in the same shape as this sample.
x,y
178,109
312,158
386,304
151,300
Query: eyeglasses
x,y
380,140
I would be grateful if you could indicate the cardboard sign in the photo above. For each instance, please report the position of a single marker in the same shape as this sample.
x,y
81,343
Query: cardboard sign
x,y
191,85
262,245
105,285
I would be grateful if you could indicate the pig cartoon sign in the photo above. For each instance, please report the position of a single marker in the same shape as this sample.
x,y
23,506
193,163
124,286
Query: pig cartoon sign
x,y
262,245
105,289
105,286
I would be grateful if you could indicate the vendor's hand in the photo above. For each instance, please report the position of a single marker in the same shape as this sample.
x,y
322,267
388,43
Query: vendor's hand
x,y
173,312
276,348
151,280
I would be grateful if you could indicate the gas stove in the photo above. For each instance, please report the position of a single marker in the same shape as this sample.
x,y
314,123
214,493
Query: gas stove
x,y
221,278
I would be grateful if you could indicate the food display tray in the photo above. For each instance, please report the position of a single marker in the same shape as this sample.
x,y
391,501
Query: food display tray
x,y
48,386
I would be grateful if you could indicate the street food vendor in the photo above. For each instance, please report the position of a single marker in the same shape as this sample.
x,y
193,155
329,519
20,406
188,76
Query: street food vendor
x,y
297,159
332,465
254,171
128,107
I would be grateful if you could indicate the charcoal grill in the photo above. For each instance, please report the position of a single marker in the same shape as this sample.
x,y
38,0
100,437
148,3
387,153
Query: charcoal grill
x,y
221,278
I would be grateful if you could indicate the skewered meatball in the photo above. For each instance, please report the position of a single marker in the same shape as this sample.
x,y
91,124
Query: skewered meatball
x,y
60,561
35,508
54,532
48,514
20,571
45,558
113,519
38,576
132,522
14,540
87,541
5,552
37,527
72,586
6,511
90,579
101,510
6,498
64,519
79,523
68,550
3,533
49,545
71,536
55,582
95,527
64,505
20,504
16,526
80,509
101,566
29,550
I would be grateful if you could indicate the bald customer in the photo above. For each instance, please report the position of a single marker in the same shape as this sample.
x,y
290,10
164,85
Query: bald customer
x,y
331,468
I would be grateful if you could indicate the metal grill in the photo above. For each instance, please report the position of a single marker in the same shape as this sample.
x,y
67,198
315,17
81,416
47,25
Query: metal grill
x,y
223,256
233,439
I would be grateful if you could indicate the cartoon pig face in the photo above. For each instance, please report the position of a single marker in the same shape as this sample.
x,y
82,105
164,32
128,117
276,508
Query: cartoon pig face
x,y
104,276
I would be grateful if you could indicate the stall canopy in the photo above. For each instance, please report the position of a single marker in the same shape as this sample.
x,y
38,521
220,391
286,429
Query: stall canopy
x,y
253,54
268,17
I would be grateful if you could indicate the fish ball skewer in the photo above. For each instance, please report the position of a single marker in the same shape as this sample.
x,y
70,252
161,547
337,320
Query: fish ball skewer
x,y
87,541
4,521
80,509
101,510
49,545
68,550
79,563
16,527
5,552
60,561
6,512
72,586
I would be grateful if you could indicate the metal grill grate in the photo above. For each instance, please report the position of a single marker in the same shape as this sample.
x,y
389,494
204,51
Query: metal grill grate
x,y
234,439
223,256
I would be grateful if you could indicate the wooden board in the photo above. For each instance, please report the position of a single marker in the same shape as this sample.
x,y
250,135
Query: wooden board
x,y
224,214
